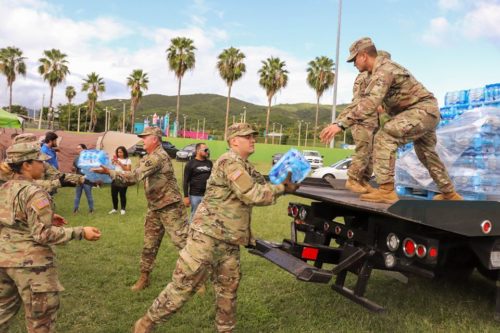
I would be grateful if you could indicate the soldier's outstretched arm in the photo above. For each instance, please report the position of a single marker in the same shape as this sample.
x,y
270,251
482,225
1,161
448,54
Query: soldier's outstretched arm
x,y
149,165
40,215
248,190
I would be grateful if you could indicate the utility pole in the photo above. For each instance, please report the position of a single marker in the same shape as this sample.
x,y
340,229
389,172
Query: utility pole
x,y
184,129
298,140
79,110
307,132
334,107
272,139
41,113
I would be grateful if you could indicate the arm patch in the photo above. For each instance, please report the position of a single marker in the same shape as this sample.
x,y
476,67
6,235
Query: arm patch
x,y
241,179
40,204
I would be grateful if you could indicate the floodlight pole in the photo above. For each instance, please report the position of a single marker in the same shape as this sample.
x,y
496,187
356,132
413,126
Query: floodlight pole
x,y
41,113
334,107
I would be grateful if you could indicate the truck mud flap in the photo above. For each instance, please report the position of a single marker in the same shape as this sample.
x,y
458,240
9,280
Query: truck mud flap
x,y
297,267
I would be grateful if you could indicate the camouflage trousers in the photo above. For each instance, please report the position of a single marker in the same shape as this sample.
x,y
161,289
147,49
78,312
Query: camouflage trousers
x,y
415,125
173,219
38,289
203,257
361,167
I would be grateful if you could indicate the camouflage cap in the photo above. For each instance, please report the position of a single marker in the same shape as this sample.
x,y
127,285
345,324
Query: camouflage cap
x,y
384,54
25,151
357,46
240,129
151,130
25,137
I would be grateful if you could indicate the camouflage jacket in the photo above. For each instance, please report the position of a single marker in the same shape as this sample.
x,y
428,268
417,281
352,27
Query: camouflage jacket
x,y
233,188
49,183
360,85
393,86
160,184
26,230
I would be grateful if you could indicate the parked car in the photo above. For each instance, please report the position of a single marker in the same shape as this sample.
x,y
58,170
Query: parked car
x,y
337,170
186,153
314,158
167,146
276,157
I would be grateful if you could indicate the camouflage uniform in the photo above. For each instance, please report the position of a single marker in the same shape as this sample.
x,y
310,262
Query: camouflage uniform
x,y
414,116
220,225
166,211
27,259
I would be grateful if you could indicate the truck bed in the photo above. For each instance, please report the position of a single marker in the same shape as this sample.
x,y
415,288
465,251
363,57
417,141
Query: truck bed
x,y
460,217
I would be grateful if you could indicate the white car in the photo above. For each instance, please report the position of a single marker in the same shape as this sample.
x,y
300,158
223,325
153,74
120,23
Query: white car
x,y
314,158
337,170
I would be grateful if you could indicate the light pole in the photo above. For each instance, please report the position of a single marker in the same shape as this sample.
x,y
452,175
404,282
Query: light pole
x,y
241,117
41,113
203,131
334,107
281,131
307,132
106,124
123,120
233,120
184,129
244,114
197,129
298,140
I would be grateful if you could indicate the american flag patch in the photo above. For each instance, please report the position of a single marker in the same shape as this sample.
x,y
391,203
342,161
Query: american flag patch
x,y
41,204
235,175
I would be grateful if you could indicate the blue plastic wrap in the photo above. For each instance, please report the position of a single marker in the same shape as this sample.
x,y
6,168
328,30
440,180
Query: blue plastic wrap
x,y
293,161
469,147
93,158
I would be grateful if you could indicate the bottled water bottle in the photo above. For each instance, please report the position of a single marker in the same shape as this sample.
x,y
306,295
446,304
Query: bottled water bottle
x,y
293,161
93,158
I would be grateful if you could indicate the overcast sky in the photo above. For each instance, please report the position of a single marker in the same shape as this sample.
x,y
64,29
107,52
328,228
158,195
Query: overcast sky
x,y
447,44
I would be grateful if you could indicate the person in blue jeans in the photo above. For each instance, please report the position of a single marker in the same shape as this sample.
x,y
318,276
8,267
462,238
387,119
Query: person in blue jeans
x,y
84,187
196,174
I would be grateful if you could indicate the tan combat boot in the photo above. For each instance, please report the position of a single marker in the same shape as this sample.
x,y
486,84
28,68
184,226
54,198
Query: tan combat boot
x,y
448,196
143,325
385,194
354,186
367,186
142,283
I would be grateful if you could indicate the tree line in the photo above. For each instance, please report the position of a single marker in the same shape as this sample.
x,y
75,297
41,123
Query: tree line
x,y
180,56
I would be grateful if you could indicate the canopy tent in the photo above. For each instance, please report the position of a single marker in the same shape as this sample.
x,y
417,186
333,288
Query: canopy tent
x,y
8,120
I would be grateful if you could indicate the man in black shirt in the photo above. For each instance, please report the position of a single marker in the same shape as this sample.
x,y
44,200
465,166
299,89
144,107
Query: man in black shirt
x,y
196,174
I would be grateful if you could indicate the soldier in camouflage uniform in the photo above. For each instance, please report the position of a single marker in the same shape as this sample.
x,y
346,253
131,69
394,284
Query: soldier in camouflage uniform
x,y
362,130
28,230
220,225
52,178
414,116
166,211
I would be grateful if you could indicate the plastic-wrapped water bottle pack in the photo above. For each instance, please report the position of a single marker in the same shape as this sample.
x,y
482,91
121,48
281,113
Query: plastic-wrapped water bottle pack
x,y
93,158
292,161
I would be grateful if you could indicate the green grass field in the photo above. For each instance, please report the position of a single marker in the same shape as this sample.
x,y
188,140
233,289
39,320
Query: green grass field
x,y
97,277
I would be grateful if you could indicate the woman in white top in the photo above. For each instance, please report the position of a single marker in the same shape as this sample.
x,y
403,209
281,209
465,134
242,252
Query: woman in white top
x,y
121,163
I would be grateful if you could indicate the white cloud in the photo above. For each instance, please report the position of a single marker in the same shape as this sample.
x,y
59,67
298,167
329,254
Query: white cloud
x,y
91,46
438,32
483,21
450,4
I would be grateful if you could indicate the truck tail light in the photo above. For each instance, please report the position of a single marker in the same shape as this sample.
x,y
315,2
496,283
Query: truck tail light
x,y
309,253
294,210
433,252
486,226
392,242
421,251
409,247
302,213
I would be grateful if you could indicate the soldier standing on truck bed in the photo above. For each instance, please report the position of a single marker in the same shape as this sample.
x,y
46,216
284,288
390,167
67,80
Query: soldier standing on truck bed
x,y
220,225
414,115
361,168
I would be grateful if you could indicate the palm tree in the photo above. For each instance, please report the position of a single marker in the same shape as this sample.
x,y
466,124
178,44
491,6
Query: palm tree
x,y
137,82
273,77
12,64
53,68
93,85
180,57
70,94
320,77
231,68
